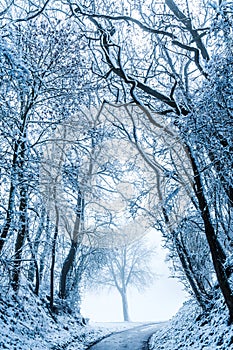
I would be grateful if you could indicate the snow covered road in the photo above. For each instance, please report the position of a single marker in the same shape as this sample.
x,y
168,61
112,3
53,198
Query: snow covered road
x,y
131,339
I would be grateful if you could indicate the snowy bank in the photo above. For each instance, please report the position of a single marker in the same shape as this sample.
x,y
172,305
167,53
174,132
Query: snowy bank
x,y
190,329
26,324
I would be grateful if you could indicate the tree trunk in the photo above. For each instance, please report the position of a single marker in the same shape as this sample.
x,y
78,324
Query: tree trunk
x,y
22,233
217,252
125,306
201,297
66,268
45,251
76,240
32,270
53,258
11,201
34,266
23,218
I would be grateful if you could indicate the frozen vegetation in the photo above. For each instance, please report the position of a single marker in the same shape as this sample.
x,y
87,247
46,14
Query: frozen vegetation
x,y
26,324
191,329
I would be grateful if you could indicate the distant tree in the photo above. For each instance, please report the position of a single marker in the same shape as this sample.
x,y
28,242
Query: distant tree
x,y
126,264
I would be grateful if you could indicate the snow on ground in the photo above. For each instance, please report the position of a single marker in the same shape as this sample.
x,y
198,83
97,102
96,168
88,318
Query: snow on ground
x,y
25,324
189,329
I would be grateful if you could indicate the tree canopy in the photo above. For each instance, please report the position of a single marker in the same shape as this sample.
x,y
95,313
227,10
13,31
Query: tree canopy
x,y
112,112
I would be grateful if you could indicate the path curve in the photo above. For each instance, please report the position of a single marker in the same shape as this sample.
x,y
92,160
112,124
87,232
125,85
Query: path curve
x,y
132,339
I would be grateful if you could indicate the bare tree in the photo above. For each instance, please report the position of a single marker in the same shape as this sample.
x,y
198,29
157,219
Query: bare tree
x,y
126,264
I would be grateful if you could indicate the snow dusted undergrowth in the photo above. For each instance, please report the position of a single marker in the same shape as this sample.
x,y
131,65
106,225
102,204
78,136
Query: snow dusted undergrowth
x,y
25,324
189,329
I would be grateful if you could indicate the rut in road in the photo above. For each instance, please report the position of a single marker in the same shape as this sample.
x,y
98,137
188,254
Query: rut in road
x,y
131,339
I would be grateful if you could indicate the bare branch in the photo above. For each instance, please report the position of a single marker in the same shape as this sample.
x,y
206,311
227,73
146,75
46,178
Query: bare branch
x,y
127,19
37,13
188,25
